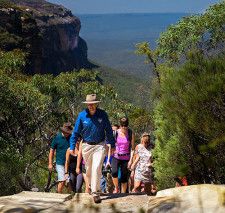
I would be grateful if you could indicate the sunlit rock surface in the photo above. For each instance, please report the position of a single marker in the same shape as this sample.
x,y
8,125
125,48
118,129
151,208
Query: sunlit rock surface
x,y
189,199
205,198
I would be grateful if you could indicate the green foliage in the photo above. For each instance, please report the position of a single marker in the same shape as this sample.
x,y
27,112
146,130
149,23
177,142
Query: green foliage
x,y
19,32
190,121
12,62
5,4
32,108
204,32
150,56
189,113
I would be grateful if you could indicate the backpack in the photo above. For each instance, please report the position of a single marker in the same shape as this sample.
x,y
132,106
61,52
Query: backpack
x,y
115,134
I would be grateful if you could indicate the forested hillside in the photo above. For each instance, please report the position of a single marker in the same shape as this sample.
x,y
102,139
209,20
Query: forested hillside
x,y
31,30
130,88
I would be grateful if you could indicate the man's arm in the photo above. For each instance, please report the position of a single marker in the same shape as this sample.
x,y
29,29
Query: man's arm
x,y
109,155
79,157
76,134
67,163
51,154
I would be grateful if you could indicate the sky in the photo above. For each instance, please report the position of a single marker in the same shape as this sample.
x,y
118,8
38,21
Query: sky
x,y
135,6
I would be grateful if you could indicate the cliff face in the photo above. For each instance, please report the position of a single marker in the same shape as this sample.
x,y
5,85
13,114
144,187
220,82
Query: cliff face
x,y
60,47
18,30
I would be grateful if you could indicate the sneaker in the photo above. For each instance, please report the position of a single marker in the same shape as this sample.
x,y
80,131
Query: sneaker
x,y
116,190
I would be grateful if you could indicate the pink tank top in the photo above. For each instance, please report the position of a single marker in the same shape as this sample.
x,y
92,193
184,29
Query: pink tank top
x,y
122,147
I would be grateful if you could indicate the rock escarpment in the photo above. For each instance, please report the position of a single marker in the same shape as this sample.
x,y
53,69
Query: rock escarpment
x,y
58,47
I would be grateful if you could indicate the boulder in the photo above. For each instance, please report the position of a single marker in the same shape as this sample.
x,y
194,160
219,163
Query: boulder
x,y
205,198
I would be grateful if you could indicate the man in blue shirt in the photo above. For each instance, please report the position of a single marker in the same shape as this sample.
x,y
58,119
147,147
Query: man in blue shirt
x,y
93,124
60,143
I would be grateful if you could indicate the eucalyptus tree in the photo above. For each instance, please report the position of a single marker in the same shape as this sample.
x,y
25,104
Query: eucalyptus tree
x,y
189,98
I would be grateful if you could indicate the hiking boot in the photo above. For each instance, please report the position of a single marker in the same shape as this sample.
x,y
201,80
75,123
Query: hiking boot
x,y
97,199
116,190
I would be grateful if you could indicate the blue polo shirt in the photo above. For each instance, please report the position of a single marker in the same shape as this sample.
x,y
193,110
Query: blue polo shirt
x,y
93,128
60,144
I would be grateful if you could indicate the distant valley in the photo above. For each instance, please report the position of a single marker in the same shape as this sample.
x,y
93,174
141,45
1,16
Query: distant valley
x,y
111,38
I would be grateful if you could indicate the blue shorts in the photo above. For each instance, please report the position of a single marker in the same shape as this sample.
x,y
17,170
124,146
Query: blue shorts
x,y
61,172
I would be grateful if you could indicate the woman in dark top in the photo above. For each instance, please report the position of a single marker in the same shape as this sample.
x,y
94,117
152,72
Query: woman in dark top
x,y
76,180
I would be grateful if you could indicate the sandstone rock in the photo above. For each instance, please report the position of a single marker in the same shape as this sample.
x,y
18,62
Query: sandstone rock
x,y
19,209
31,201
189,199
61,48
205,198
49,32
111,203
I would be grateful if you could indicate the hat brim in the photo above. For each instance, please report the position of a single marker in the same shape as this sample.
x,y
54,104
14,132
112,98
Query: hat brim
x,y
67,131
90,102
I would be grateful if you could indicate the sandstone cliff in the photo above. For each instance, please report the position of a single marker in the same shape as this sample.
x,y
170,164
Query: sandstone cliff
x,y
58,47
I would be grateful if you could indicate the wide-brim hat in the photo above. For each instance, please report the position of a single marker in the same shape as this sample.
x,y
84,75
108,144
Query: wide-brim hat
x,y
67,128
91,99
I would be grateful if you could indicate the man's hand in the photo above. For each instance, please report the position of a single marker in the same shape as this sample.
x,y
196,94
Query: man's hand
x,y
66,176
108,164
78,171
72,152
50,167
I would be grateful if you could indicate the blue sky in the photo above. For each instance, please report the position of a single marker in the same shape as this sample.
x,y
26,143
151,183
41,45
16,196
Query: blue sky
x,y
135,6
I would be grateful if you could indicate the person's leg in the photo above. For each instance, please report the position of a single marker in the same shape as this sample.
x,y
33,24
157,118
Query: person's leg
x,y
103,184
128,181
73,177
86,183
119,177
85,179
98,157
124,175
153,189
87,153
123,187
61,187
137,186
147,188
131,182
79,182
61,177
115,166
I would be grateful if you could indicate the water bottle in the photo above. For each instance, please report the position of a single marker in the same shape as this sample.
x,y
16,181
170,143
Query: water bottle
x,y
68,179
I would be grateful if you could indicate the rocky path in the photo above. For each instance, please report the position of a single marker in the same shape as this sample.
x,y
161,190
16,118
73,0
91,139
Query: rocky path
x,y
52,202
203,198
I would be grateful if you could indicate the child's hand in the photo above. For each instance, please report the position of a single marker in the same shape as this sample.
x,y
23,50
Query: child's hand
x,y
129,164
133,166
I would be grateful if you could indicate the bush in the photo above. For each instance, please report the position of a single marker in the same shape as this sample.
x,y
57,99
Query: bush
x,y
190,122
